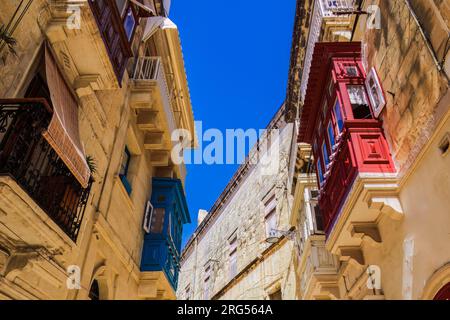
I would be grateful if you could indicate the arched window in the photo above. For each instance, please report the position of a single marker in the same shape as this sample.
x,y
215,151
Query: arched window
x,y
94,292
444,293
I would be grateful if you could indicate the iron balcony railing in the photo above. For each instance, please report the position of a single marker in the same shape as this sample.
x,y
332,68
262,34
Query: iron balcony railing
x,y
28,158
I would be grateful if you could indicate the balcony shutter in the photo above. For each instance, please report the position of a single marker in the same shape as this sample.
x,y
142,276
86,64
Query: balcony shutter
x,y
63,132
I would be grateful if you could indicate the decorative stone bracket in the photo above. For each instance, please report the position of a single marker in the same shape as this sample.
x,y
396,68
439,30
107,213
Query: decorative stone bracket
x,y
366,231
354,254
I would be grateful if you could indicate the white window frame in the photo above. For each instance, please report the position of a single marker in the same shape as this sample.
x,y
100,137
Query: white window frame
x,y
377,107
148,216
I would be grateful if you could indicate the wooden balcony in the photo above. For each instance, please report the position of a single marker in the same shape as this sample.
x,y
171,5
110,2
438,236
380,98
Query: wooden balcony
x,y
361,148
28,159
111,27
160,264
95,51
152,100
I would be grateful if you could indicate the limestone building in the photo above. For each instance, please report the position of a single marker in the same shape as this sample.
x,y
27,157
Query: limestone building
x,y
243,248
371,106
91,205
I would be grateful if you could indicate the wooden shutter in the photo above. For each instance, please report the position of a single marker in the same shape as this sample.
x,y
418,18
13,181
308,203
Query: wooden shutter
x,y
63,131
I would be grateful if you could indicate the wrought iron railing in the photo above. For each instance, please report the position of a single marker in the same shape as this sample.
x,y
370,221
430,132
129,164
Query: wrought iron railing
x,y
28,158
172,266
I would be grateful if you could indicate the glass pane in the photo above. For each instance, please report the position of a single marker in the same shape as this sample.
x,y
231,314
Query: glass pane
x,y
158,220
326,158
338,115
331,134
129,23
319,171
358,100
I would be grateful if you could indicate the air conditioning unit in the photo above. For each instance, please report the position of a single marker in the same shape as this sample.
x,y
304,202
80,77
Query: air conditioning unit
x,y
148,217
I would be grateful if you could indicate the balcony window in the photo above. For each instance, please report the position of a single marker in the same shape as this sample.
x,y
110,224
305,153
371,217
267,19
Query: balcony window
x,y
325,155
338,116
129,23
319,171
358,101
162,245
157,223
331,137
123,173
117,29
362,146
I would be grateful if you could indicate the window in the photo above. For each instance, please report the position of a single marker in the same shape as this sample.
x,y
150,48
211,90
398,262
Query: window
x,y
157,222
358,100
129,23
317,215
319,171
326,158
331,137
351,71
233,244
270,216
187,292
375,92
338,116
123,172
170,227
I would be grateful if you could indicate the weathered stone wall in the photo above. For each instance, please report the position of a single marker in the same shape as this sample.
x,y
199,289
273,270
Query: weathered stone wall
x,y
243,213
411,81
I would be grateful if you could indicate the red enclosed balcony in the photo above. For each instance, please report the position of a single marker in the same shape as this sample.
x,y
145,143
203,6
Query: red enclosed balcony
x,y
339,120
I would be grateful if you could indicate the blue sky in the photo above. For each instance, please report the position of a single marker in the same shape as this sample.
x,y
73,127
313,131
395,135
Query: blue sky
x,y
237,59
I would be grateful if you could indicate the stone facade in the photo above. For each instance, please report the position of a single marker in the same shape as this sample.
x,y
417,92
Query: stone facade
x,y
35,254
261,269
389,236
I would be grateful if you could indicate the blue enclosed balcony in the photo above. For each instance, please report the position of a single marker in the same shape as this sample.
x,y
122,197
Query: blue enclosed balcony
x,y
164,222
